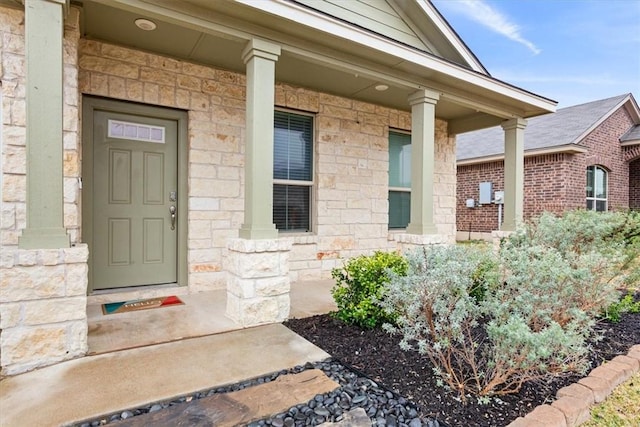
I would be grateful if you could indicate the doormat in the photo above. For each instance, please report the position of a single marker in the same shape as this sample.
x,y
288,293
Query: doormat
x,y
140,304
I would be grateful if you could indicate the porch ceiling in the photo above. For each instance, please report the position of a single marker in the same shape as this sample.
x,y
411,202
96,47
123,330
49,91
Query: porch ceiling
x,y
215,33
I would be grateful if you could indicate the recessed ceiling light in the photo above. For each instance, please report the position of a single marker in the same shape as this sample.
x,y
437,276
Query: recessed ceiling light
x,y
382,88
145,24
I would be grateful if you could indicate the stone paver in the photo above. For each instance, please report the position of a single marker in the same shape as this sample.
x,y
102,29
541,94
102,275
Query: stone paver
x,y
634,364
548,416
575,410
613,373
577,391
243,406
601,388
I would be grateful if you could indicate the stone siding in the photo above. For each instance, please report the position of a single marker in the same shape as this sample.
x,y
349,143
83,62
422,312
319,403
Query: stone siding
x,y
350,203
43,294
553,182
43,307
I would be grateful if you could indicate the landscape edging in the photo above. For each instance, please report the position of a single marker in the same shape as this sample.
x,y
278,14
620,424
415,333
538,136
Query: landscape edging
x,y
574,401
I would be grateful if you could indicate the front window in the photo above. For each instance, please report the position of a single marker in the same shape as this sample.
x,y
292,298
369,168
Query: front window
x,y
596,188
292,171
399,179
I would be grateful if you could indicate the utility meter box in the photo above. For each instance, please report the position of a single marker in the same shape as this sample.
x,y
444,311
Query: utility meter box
x,y
485,193
499,198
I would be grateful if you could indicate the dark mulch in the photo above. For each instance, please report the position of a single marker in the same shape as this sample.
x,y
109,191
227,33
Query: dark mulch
x,y
378,355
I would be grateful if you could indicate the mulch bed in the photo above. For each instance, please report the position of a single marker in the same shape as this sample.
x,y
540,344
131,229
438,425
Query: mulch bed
x,y
378,355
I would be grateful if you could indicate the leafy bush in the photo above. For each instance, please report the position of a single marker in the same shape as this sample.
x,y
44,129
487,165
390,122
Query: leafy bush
x,y
359,287
626,304
489,323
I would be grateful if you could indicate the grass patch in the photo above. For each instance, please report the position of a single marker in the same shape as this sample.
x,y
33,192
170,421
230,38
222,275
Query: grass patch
x,y
621,409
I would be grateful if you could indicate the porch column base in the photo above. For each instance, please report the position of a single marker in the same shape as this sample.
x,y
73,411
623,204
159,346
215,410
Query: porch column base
x,y
407,242
258,282
43,307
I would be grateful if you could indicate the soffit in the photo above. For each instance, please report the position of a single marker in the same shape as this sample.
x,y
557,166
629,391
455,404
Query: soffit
x,y
215,33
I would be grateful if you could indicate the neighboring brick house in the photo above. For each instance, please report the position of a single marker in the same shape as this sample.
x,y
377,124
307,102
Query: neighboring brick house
x,y
594,146
167,147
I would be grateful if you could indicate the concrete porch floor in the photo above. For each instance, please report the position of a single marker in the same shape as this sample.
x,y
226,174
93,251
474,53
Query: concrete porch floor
x,y
201,314
146,357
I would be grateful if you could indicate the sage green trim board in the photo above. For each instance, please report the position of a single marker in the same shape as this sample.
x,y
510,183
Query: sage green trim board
x,y
513,173
133,219
260,58
44,26
423,131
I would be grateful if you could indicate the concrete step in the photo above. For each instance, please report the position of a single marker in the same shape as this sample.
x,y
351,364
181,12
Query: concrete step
x,y
86,388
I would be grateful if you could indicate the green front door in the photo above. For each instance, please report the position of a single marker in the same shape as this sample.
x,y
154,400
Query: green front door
x,y
134,224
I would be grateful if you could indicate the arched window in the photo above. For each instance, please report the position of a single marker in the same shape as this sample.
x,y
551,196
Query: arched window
x,y
596,188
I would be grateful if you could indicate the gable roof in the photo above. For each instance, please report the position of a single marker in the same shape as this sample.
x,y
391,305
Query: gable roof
x,y
563,129
417,24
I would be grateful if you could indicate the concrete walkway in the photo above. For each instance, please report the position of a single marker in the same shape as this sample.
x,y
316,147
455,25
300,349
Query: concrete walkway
x,y
89,387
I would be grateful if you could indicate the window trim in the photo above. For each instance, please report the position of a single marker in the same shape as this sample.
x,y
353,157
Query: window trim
x,y
595,199
393,188
312,182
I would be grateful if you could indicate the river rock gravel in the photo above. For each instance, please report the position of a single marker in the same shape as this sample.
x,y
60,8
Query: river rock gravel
x,y
382,406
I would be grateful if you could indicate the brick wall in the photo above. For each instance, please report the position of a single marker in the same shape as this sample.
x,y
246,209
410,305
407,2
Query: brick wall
x,y
553,182
634,184
604,149
351,159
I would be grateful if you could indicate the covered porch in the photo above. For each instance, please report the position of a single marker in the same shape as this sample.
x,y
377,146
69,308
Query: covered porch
x,y
201,314
226,67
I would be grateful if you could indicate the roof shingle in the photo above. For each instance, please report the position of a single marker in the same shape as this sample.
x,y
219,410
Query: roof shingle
x,y
566,126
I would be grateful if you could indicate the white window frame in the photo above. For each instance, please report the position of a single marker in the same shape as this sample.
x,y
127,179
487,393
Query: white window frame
x,y
595,199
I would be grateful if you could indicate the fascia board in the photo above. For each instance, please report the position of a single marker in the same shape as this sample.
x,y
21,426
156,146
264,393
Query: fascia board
x,y
451,35
568,148
598,122
374,41
630,143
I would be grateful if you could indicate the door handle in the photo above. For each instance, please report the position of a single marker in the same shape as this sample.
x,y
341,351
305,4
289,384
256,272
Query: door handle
x,y
172,211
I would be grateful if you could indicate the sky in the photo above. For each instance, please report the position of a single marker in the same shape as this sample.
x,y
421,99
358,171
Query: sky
x,y
571,51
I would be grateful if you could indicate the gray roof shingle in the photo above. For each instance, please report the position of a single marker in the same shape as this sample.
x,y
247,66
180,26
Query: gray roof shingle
x,y
563,127
632,135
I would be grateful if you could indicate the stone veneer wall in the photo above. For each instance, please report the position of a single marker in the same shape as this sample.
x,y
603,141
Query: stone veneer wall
x,y
43,307
43,294
351,159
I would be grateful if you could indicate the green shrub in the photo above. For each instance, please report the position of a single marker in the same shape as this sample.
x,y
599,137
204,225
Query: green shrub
x,y
593,253
491,324
359,287
626,304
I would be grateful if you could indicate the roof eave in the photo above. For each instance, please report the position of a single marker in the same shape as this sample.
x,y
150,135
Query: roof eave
x,y
567,149
530,104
